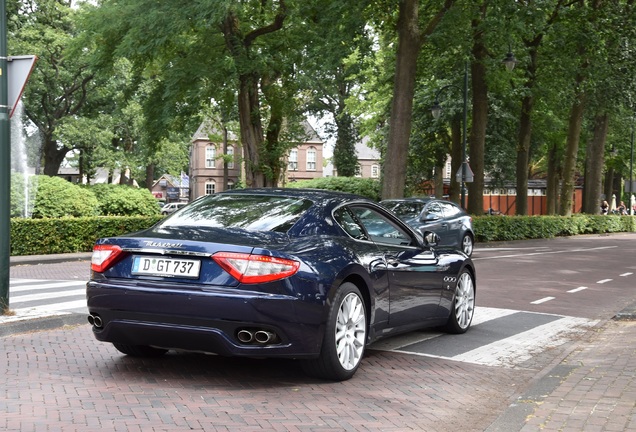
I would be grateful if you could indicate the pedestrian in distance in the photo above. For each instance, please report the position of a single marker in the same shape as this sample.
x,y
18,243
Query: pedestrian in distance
x,y
604,207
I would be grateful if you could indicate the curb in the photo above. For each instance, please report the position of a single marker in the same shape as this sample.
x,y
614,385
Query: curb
x,y
49,259
40,324
627,314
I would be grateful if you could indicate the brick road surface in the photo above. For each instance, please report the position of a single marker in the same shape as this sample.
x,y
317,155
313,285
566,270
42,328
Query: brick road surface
x,y
65,380
599,394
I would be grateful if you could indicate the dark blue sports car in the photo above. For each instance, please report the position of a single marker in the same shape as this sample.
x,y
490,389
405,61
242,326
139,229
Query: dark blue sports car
x,y
305,274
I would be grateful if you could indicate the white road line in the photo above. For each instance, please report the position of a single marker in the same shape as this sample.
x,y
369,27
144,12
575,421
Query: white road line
x,y
626,274
602,281
577,289
546,253
543,300
482,315
46,296
69,284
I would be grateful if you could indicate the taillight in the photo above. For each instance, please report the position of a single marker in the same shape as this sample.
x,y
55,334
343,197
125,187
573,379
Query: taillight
x,y
104,256
251,269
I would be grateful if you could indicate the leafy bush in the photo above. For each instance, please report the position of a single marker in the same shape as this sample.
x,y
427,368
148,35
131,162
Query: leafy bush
x,y
366,187
122,200
56,197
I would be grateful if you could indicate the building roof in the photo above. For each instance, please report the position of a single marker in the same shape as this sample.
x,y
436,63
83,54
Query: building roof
x,y
364,152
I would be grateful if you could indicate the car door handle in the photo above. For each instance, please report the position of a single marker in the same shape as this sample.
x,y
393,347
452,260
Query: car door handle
x,y
393,262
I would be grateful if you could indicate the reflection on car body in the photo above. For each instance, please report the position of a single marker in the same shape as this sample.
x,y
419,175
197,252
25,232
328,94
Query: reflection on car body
x,y
310,275
445,218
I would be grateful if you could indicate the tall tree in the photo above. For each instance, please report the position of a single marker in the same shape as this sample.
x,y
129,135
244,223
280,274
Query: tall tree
x,y
61,84
410,40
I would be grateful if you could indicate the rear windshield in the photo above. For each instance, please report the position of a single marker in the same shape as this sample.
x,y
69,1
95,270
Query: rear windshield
x,y
248,212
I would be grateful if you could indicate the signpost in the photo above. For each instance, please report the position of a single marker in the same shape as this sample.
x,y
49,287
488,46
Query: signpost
x,y
14,73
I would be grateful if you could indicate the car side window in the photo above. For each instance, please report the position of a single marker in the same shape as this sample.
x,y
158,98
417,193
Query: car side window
x,y
380,228
435,208
449,209
348,223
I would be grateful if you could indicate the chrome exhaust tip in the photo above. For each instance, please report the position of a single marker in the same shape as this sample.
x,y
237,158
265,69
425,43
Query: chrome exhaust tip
x,y
245,336
95,320
264,337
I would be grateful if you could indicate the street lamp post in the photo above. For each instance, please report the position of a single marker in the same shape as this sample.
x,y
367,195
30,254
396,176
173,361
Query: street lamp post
x,y
509,61
437,112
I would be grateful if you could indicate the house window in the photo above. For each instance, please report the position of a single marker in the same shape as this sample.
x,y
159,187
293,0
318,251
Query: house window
x,y
375,171
210,155
210,187
292,164
230,152
230,184
311,159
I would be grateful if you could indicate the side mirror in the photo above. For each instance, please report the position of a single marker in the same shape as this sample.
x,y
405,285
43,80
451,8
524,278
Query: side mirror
x,y
430,238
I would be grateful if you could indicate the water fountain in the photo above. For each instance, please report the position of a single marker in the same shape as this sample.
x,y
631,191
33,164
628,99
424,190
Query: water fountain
x,y
19,160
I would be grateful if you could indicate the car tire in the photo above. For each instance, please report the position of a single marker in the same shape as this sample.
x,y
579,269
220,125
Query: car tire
x,y
140,350
345,337
463,306
467,244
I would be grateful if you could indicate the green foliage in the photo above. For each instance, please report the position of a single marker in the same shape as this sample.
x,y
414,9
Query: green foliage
x,y
121,200
56,197
508,228
369,188
68,235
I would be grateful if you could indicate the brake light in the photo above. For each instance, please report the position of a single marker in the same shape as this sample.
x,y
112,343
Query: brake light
x,y
104,256
251,269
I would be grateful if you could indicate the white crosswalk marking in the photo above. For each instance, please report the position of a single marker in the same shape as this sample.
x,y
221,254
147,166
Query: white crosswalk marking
x,y
500,344
32,298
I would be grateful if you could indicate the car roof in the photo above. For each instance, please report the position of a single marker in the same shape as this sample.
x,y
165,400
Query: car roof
x,y
316,195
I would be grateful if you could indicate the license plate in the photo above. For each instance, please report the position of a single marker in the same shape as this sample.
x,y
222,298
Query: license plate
x,y
173,267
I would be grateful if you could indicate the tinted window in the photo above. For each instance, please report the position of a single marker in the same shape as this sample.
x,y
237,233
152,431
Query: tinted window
x,y
379,228
345,219
249,212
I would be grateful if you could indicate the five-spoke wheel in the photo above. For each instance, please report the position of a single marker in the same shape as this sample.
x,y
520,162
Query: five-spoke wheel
x,y
463,307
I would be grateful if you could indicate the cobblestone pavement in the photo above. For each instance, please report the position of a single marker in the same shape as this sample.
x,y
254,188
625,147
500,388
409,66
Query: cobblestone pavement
x,y
65,380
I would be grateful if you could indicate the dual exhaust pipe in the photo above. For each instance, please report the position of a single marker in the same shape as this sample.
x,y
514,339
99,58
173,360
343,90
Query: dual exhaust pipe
x,y
95,320
262,337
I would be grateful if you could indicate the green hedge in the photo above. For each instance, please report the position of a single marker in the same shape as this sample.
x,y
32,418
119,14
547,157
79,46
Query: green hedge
x,y
68,235
506,228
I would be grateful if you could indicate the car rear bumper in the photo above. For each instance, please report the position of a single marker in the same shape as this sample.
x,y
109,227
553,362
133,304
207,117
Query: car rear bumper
x,y
206,321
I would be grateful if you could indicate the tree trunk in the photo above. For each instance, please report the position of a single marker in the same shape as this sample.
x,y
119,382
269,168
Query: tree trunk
x,y
523,156
394,177
150,175
595,159
410,40
251,129
554,178
572,148
53,157
480,119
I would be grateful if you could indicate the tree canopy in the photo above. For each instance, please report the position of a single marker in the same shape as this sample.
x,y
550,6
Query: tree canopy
x,y
122,83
